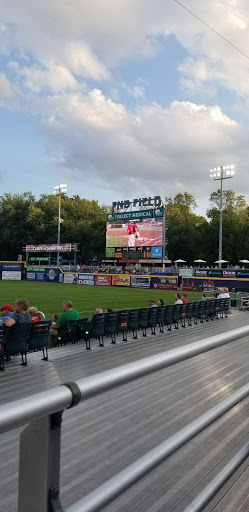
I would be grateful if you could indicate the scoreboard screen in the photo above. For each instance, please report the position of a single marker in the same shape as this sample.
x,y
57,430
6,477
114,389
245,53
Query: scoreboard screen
x,y
135,235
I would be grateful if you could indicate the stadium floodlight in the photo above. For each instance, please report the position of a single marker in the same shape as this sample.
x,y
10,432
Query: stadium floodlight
x,y
59,190
221,173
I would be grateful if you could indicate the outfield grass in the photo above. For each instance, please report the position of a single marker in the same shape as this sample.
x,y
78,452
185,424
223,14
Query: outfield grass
x,y
48,297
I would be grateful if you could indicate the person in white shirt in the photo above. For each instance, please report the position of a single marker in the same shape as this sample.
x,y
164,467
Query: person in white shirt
x,y
226,294
221,294
178,299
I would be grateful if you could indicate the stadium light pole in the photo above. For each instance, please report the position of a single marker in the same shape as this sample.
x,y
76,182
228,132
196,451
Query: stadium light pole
x,y
221,173
58,191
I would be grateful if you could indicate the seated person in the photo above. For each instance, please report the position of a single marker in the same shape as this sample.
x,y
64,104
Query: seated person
x,y
160,302
21,316
35,317
52,332
68,314
6,312
184,298
98,311
221,294
178,299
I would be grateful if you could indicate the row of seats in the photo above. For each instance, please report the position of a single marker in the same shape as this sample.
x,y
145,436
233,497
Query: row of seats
x,y
111,324
29,337
21,338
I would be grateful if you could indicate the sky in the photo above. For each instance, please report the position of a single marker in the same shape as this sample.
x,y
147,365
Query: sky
x,y
123,98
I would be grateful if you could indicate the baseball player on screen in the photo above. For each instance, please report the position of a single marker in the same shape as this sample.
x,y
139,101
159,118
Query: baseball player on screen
x,y
132,231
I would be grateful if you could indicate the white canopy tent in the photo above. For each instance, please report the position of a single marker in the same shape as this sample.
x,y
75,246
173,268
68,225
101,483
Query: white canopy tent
x,y
221,261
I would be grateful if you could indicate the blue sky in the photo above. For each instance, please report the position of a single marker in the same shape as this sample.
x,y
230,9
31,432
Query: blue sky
x,y
141,99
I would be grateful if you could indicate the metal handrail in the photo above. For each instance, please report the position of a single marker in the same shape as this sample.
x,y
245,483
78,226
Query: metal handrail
x,y
111,489
28,409
44,411
198,503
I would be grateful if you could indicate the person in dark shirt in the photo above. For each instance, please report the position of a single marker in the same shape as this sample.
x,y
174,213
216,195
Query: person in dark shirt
x,y
21,315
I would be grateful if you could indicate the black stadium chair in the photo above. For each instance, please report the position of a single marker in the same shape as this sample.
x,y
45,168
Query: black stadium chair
x,y
17,341
160,317
176,314
84,331
38,337
183,314
98,328
111,325
3,333
68,333
152,319
189,312
133,322
122,323
143,320
168,318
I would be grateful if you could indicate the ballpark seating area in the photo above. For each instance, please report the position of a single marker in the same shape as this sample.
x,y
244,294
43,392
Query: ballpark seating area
x,y
24,338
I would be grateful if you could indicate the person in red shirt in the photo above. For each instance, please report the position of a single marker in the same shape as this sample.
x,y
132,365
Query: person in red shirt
x,y
131,230
35,317
184,298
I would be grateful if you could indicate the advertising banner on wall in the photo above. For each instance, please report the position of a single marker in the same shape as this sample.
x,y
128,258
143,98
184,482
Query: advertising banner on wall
x,y
121,280
215,273
200,272
244,274
140,282
229,273
70,278
11,266
11,276
185,272
86,279
164,283
35,274
103,280
52,275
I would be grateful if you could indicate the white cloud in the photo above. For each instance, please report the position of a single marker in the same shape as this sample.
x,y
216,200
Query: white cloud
x,y
6,89
173,146
53,77
137,91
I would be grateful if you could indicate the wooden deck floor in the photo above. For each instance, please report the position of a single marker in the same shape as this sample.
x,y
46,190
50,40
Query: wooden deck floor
x,y
105,434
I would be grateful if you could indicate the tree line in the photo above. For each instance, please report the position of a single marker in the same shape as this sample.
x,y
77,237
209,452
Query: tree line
x,y
27,220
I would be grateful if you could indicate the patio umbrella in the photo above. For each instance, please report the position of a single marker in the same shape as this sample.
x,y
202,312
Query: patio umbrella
x,y
221,261
180,261
200,261
244,261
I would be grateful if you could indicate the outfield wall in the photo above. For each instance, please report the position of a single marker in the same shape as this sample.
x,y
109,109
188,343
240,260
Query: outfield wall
x,y
17,271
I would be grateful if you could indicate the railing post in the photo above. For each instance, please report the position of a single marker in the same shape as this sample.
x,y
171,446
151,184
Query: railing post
x,y
39,466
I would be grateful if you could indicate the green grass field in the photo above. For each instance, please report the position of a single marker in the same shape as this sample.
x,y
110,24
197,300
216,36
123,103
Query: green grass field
x,y
48,297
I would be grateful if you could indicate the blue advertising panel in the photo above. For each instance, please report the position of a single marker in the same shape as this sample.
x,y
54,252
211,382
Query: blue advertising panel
x,y
11,266
86,279
52,275
156,252
35,274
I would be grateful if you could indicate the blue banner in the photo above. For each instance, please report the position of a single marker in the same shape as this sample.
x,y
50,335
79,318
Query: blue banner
x,y
52,275
11,266
35,276
86,279
156,252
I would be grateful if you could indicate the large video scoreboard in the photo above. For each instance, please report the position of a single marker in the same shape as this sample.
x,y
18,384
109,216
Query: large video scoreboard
x,y
135,235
